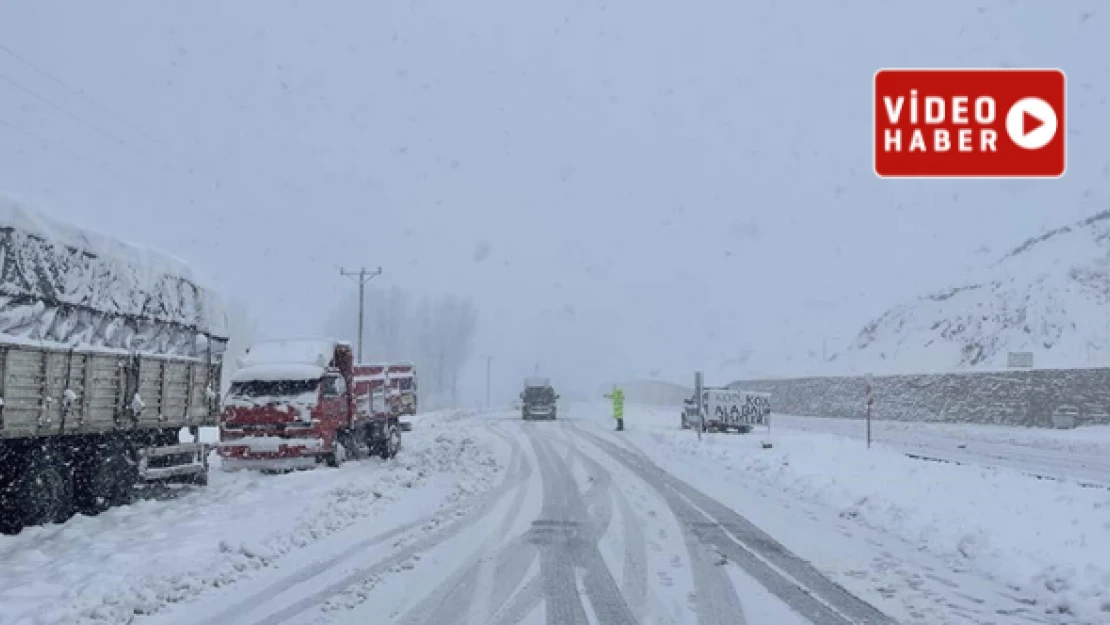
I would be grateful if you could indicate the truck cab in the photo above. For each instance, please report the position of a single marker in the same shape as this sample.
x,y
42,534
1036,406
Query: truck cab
x,y
298,403
288,406
538,400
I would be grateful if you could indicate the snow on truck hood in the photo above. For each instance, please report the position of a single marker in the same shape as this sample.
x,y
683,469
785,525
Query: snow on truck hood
x,y
305,352
275,372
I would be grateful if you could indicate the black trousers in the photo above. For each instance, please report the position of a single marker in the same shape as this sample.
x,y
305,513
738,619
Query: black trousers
x,y
620,424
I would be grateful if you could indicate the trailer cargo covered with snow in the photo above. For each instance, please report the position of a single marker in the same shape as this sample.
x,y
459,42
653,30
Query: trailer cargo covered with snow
x,y
107,351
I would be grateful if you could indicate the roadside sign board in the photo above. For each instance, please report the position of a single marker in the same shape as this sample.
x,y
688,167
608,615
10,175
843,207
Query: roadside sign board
x,y
733,406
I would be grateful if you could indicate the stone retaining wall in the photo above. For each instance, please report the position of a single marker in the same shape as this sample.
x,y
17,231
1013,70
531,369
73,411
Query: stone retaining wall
x,y
1016,397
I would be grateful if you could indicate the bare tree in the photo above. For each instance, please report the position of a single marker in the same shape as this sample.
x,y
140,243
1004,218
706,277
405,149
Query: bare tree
x,y
436,334
392,322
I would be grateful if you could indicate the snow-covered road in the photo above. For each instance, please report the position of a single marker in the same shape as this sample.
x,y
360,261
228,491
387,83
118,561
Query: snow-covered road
x,y
582,528
488,519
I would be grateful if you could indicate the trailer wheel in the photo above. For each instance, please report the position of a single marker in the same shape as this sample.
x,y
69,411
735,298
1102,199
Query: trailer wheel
x,y
392,443
106,476
43,492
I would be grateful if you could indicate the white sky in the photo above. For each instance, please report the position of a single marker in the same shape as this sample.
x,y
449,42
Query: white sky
x,y
660,185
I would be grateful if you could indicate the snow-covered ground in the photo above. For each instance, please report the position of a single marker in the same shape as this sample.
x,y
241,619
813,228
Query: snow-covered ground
x,y
926,542
144,558
1079,455
1047,296
484,518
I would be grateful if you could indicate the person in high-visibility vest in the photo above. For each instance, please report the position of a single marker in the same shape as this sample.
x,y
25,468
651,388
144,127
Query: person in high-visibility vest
x,y
618,406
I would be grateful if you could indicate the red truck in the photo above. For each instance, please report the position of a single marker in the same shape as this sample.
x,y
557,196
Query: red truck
x,y
294,404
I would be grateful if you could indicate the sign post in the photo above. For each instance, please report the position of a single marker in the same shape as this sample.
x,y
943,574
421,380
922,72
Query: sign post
x,y
870,399
699,402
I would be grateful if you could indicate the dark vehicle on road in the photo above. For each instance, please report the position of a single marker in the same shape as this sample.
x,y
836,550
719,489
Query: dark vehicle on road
x,y
538,400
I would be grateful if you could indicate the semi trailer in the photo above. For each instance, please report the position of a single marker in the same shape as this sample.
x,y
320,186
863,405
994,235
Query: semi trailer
x,y
110,362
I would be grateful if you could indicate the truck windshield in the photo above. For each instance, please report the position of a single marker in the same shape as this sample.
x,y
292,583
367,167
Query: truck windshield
x,y
539,394
273,388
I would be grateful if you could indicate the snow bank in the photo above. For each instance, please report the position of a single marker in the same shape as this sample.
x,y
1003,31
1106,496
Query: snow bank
x,y
140,559
1089,439
1047,540
78,287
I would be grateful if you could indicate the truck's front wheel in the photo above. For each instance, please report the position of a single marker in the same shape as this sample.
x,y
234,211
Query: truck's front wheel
x,y
337,457
392,443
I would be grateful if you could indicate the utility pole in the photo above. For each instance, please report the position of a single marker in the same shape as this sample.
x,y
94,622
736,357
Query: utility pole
x,y
455,389
699,403
362,276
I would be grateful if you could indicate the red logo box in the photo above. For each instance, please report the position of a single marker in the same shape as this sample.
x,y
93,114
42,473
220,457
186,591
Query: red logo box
x,y
969,123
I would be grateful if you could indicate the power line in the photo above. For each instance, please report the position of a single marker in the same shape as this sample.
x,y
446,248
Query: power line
x,y
188,166
77,92
117,117
45,145
26,133
112,137
96,127
57,107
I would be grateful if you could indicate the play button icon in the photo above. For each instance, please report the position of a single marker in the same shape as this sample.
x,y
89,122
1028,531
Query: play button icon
x,y
1031,123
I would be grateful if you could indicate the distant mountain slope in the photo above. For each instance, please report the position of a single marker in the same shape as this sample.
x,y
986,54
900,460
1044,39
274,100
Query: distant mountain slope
x,y
1050,296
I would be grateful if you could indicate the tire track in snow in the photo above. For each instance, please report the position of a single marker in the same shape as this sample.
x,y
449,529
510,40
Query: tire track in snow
x,y
563,508
439,534
634,570
792,579
529,597
715,598
568,537
556,532
466,591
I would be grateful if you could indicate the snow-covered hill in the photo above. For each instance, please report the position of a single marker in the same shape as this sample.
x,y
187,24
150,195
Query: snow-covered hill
x,y
1048,296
